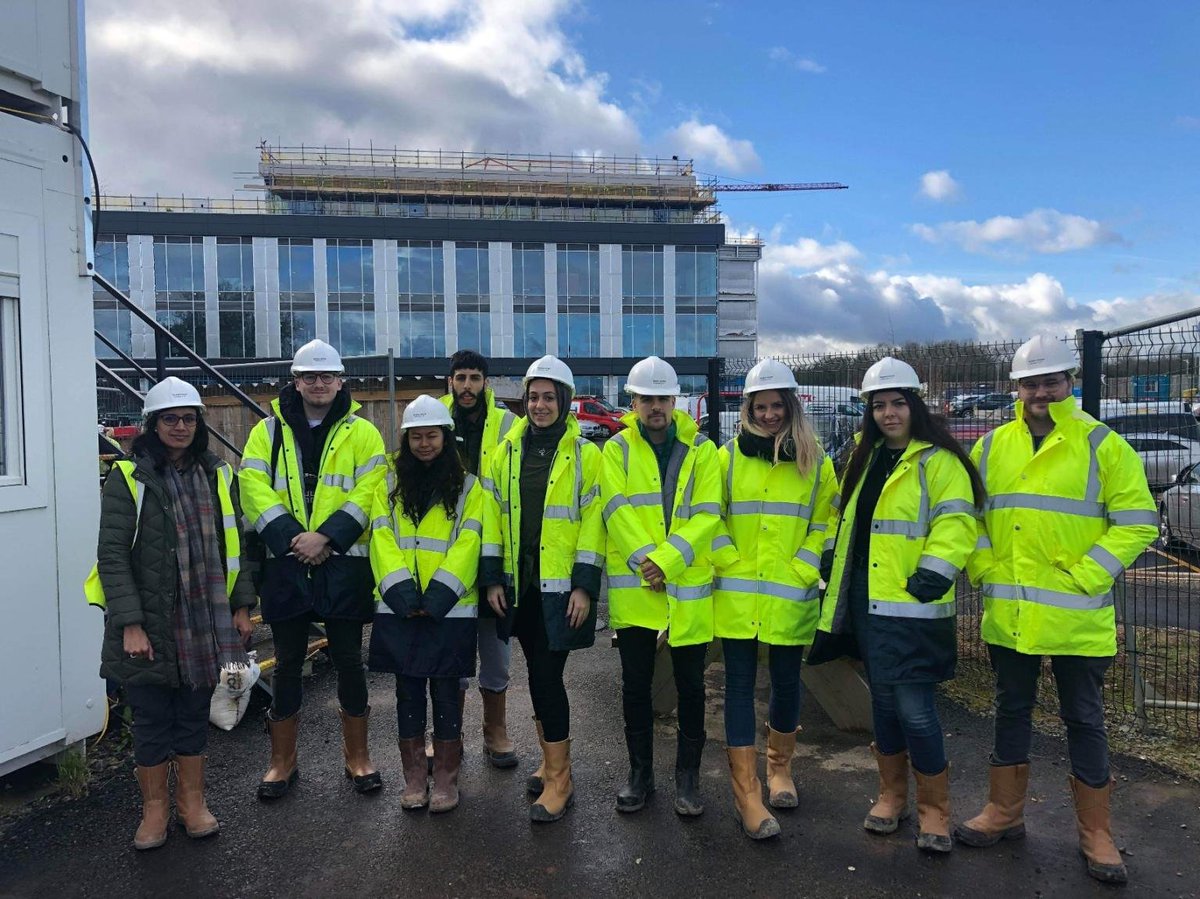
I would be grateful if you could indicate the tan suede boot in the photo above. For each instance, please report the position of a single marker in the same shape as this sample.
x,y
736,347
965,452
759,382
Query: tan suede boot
x,y
192,810
284,771
892,806
1096,844
757,822
781,788
559,791
496,745
534,784
156,806
354,750
1003,818
447,759
416,773
933,811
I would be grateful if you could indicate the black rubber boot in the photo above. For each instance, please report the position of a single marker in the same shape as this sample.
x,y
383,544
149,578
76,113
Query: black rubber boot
x,y
687,775
634,794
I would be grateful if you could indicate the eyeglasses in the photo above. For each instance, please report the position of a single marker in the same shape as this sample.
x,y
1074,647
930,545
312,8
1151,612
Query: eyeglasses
x,y
325,377
170,419
1033,384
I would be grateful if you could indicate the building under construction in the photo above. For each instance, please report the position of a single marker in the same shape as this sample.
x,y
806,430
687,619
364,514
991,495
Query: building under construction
x,y
423,253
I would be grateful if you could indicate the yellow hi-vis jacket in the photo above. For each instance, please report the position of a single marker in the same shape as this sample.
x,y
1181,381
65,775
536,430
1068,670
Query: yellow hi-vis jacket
x,y
430,567
767,551
572,544
1059,526
496,426
352,465
925,518
638,529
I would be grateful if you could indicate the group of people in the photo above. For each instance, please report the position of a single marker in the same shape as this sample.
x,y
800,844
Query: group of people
x,y
758,543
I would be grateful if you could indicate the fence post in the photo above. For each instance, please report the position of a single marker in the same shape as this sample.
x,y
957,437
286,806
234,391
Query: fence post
x,y
1091,346
160,355
715,365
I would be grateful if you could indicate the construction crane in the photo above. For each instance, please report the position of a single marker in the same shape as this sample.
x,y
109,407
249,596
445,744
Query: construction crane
x,y
809,185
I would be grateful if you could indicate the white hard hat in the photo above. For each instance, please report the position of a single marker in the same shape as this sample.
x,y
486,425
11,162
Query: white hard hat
x,y
426,412
652,377
769,374
317,355
1042,355
552,369
889,374
170,393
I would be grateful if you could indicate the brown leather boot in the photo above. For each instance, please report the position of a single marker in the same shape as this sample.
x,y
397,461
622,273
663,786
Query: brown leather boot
x,y
416,773
559,791
1003,818
757,822
190,806
447,758
781,789
1096,844
156,806
892,805
534,784
496,745
933,811
354,749
284,770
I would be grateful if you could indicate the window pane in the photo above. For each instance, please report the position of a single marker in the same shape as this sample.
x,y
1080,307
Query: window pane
x,y
475,332
237,334
529,334
296,328
685,274
706,273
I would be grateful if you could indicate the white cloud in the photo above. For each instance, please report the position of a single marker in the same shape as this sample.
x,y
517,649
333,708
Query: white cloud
x,y
180,99
1188,122
1042,231
800,63
806,253
939,186
708,142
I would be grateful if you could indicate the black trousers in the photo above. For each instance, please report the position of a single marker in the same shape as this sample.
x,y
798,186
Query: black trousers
x,y
168,721
637,646
345,648
545,667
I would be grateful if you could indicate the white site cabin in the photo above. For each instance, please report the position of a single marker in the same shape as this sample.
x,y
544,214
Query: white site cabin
x,y
51,695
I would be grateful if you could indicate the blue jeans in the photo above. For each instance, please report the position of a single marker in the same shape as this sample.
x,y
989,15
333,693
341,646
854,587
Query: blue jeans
x,y
410,707
741,671
495,656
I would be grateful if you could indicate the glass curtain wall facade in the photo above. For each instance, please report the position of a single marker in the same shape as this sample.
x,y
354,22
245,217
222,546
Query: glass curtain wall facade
x,y
529,299
350,267
643,332
235,297
473,291
422,299
297,294
112,262
578,300
179,288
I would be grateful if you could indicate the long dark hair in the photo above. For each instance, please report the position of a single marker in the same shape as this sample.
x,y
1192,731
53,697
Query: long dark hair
x,y
418,485
148,443
924,426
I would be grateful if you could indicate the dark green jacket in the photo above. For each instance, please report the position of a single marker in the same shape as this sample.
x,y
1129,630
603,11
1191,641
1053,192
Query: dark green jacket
x,y
141,586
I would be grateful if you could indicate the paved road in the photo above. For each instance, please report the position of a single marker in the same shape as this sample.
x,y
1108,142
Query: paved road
x,y
324,840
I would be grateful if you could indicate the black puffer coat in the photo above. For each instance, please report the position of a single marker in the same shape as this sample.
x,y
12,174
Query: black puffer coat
x,y
141,586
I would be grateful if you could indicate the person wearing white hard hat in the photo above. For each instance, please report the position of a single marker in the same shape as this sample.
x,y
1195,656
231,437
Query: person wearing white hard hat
x,y
1068,510
778,489
427,524
543,549
308,476
661,487
177,600
902,529
480,423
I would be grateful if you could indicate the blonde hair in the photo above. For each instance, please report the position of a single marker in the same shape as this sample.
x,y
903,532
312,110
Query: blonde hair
x,y
798,429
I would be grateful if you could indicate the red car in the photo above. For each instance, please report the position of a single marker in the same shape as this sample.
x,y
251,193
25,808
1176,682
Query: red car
x,y
597,410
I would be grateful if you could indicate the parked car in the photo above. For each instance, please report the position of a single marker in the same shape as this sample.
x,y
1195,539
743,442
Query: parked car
x,y
1164,456
597,410
593,430
730,424
1177,424
987,402
1179,510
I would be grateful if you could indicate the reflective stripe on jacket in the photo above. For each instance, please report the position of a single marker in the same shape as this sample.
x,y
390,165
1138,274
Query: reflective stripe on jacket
x,y
767,551
631,489
430,567
925,518
1059,526
572,544
496,427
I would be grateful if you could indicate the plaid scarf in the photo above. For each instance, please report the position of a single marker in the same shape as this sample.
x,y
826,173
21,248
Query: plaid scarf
x,y
205,638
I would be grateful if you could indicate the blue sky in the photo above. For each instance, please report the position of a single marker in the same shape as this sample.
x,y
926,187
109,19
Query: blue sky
x,y
1057,140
